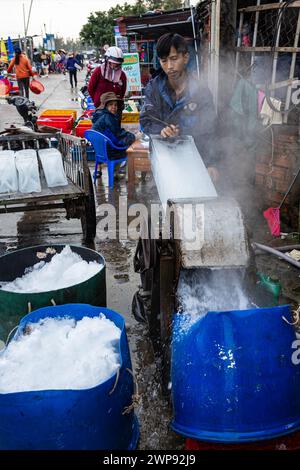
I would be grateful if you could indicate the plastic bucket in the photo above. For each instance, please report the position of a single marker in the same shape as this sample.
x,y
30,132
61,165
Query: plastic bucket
x,y
36,86
86,419
234,377
15,305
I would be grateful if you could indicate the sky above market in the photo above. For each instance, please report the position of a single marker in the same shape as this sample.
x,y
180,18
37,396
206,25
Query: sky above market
x,y
60,17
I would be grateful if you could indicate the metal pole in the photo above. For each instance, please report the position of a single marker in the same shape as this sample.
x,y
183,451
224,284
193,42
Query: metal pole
x,y
26,31
195,42
212,42
292,69
217,53
31,49
24,22
24,28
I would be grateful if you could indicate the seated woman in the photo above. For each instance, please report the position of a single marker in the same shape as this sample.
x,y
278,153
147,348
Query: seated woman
x,y
106,121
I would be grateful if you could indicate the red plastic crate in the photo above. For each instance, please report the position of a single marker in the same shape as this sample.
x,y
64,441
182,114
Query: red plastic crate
x,y
80,129
65,123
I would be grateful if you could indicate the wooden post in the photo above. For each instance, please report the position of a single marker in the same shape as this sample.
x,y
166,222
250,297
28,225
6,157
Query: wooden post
x,y
275,57
255,33
239,41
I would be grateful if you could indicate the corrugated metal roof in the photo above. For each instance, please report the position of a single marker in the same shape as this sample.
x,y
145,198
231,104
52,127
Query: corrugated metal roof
x,y
155,24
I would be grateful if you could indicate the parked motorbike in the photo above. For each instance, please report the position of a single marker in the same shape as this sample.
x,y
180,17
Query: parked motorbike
x,y
27,109
86,101
91,66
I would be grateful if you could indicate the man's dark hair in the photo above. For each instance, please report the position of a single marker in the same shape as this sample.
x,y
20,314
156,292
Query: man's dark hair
x,y
168,40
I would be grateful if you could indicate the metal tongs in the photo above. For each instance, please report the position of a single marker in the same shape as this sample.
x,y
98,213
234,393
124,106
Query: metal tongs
x,y
160,120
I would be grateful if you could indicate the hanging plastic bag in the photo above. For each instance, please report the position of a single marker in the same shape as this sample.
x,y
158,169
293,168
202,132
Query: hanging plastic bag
x,y
8,172
28,171
53,167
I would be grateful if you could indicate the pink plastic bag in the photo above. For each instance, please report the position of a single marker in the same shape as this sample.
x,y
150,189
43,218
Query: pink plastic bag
x,y
272,215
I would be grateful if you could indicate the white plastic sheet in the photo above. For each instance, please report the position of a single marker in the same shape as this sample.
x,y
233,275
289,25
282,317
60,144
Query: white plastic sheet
x,y
53,167
8,172
28,171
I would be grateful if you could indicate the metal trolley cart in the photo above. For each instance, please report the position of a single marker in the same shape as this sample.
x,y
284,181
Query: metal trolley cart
x,y
77,198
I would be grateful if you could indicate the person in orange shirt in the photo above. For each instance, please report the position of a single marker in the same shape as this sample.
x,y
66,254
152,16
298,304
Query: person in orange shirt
x,y
23,71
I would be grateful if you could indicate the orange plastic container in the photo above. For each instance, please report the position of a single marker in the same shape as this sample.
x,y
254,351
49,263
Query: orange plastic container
x,y
85,122
60,112
130,117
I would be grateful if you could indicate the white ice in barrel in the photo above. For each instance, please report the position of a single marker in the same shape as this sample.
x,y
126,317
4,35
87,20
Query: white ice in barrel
x,y
61,354
64,270
203,290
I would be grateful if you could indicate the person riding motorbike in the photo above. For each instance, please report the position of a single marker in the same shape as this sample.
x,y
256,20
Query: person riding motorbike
x,y
109,77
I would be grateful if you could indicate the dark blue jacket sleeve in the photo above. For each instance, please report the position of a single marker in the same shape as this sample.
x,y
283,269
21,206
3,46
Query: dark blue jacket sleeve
x,y
151,108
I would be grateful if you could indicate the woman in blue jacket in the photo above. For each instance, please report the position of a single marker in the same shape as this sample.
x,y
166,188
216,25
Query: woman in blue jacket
x,y
72,69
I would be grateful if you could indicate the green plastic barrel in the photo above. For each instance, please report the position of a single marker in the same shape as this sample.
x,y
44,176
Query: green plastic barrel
x,y
13,306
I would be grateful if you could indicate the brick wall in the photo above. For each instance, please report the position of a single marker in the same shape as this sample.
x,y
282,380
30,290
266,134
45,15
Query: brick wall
x,y
274,173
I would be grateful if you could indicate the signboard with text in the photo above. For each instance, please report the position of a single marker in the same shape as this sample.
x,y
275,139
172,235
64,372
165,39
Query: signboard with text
x,y
122,43
49,42
131,67
133,47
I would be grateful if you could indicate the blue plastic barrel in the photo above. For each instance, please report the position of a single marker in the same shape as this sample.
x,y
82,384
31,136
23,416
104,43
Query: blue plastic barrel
x,y
233,377
86,419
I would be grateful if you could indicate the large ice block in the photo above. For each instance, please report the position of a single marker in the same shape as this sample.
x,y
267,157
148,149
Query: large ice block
x,y
178,169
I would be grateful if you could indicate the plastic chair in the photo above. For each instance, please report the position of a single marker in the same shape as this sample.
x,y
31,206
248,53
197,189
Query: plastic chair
x,y
100,142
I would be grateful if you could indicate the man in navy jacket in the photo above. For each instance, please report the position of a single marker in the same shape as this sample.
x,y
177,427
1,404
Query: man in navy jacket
x,y
177,97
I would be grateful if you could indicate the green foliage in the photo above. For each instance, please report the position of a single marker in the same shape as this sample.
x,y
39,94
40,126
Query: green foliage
x,y
172,4
99,29
68,44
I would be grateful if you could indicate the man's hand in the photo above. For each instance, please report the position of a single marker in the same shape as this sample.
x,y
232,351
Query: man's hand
x,y
213,173
138,135
170,131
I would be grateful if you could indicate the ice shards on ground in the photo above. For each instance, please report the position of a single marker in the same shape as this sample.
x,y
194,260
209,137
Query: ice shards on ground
x,y
65,269
8,172
28,171
61,354
53,167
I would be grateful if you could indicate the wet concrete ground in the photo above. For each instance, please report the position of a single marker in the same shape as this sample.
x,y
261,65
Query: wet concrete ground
x,y
20,230
45,227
